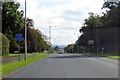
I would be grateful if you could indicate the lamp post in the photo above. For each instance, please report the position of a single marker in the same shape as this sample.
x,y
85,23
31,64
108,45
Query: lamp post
x,y
54,41
97,39
50,34
25,35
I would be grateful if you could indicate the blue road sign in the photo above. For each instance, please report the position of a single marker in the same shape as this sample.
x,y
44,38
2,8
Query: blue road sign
x,y
19,37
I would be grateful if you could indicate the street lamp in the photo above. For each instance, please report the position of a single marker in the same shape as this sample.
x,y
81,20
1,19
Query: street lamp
x,y
54,41
50,34
25,35
97,39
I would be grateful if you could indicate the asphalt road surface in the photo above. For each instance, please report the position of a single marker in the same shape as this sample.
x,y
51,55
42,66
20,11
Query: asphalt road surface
x,y
69,66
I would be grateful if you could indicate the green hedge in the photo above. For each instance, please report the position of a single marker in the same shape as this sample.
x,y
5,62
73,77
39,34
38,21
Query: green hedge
x,y
5,45
0,44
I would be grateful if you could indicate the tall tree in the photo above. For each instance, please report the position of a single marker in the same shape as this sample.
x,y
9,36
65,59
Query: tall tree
x,y
102,29
12,18
12,22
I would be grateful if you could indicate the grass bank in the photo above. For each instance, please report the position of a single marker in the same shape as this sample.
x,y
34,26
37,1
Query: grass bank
x,y
10,67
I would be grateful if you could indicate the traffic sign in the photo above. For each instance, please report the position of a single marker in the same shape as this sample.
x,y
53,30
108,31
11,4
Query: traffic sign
x,y
90,42
19,37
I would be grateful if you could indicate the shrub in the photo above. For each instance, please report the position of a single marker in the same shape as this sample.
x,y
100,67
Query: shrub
x,y
5,45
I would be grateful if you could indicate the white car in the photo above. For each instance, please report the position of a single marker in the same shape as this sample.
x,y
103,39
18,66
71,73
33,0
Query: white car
x,y
46,51
60,52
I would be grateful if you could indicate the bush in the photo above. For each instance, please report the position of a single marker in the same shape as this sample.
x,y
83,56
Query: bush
x,y
5,45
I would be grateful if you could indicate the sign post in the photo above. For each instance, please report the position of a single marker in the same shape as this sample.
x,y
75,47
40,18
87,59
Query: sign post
x,y
90,43
19,37
19,51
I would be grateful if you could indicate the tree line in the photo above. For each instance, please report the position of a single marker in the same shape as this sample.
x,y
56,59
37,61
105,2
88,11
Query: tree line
x,y
100,32
13,22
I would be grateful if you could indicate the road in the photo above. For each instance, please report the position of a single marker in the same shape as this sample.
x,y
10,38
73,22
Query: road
x,y
69,66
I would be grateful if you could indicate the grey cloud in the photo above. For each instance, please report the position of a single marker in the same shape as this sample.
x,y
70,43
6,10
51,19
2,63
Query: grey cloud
x,y
70,15
70,12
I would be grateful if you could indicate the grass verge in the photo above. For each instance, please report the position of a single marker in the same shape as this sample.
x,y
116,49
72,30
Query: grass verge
x,y
107,55
113,57
10,67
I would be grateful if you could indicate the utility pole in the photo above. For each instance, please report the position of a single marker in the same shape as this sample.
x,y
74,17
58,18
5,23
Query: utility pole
x,y
25,35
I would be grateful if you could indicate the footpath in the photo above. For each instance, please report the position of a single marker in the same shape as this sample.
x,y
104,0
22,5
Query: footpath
x,y
15,58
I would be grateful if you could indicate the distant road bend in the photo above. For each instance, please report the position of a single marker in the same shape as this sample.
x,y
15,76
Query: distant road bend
x,y
69,66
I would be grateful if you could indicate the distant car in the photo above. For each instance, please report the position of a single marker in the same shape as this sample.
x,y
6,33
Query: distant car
x,y
46,51
60,52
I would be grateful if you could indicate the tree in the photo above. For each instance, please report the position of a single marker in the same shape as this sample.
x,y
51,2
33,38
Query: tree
x,y
69,48
37,42
12,22
102,29
90,31
56,48
12,18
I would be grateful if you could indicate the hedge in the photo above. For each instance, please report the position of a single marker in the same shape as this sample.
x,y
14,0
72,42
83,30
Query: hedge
x,y
0,44
5,45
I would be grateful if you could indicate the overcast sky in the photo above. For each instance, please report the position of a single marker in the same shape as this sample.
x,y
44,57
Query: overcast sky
x,y
67,15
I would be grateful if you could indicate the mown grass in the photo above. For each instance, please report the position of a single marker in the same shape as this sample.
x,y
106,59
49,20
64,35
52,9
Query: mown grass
x,y
10,67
